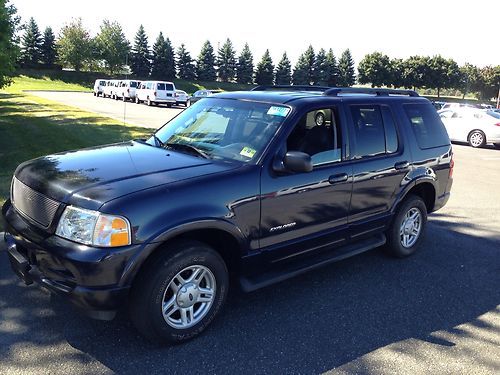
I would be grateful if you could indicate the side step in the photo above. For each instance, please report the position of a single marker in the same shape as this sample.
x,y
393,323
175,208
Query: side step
x,y
286,271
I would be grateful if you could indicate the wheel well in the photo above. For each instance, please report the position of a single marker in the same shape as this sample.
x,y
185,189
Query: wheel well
x,y
427,192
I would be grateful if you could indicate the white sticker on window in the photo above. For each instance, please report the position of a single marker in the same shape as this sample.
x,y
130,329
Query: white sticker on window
x,y
248,152
278,111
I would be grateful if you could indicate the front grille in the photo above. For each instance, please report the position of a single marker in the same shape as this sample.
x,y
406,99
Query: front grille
x,y
32,204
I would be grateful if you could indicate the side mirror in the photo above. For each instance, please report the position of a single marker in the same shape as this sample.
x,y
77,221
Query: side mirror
x,y
297,161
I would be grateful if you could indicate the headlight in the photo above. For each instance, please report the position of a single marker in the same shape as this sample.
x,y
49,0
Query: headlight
x,y
93,228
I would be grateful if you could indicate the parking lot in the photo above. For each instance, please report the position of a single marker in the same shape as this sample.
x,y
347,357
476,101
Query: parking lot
x,y
435,312
134,114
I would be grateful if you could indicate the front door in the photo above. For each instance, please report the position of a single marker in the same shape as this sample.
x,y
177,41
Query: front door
x,y
303,212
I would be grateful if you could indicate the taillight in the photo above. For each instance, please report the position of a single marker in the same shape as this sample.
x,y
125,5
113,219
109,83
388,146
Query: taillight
x,y
452,165
497,124
154,93
128,90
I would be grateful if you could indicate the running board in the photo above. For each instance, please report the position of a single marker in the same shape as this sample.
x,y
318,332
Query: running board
x,y
283,272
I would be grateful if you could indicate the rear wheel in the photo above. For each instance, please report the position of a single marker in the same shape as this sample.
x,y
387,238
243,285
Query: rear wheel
x,y
408,227
477,139
137,101
177,296
497,146
149,102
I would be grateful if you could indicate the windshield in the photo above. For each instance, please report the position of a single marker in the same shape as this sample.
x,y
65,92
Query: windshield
x,y
224,128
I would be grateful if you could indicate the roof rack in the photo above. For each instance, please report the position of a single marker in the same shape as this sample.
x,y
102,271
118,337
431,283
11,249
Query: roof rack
x,y
335,91
290,88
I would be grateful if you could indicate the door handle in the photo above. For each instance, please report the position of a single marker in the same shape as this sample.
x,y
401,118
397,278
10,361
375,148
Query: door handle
x,y
402,165
336,178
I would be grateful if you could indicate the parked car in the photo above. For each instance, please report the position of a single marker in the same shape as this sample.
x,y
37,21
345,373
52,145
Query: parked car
x,y
253,184
156,92
99,85
181,97
126,89
111,88
474,126
200,94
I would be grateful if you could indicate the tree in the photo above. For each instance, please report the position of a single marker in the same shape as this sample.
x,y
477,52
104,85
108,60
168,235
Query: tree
x,y
9,50
226,62
331,69
163,59
284,71
470,77
304,74
489,82
375,68
48,48
205,67
397,73
244,68
112,46
140,59
185,66
415,71
74,45
442,73
31,44
320,68
347,76
264,73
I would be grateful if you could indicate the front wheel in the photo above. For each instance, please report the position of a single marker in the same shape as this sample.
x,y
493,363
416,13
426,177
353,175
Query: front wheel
x,y
477,139
497,145
408,227
179,293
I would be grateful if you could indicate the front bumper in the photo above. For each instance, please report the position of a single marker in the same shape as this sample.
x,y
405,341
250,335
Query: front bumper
x,y
90,278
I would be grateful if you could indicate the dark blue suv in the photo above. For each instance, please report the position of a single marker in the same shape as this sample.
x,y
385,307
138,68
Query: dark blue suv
x,y
254,187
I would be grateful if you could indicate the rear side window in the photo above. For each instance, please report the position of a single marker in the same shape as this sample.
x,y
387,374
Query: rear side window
x,y
160,86
427,126
133,84
374,129
102,83
169,87
149,85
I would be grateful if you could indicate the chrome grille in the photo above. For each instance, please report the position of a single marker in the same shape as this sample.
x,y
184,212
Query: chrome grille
x,y
32,204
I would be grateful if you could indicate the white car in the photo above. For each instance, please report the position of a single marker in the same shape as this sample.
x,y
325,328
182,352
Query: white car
x,y
475,126
126,89
99,86
181,97
110,89
156,92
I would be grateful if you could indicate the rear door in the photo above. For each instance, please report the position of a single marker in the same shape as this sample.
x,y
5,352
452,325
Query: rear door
x,y
380,164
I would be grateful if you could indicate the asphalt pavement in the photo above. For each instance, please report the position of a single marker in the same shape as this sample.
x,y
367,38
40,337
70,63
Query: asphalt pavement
x,y
129,112
435,312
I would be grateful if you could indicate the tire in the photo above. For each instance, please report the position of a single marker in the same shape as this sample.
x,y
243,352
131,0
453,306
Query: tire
x,y
188,103
124,98
137,101
396,235
154,284
497,145
476,139
149,102
169,105
95,94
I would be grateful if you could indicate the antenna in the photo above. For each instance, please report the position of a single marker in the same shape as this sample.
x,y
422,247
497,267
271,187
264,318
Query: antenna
x,y
124,100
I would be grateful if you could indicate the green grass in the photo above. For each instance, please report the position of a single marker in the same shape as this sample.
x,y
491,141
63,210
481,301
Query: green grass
x,y
32,127
22,82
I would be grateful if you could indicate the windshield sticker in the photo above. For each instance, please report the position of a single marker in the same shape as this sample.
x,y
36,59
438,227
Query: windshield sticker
x,y
248,152
278,111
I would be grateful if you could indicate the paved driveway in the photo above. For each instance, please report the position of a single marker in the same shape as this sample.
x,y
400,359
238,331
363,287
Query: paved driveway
x,y
435,312
135,114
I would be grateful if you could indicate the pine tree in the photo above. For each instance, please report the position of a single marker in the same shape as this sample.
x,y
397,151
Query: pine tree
x,y
170,62
347,77
226,62
48,49
159,58
205,68
31,44
284,71
140,63
320,68
244,69
303,74
264,74
331,69
185,66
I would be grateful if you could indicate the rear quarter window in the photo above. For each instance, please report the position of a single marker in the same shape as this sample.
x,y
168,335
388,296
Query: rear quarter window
x,y
169,87
427,126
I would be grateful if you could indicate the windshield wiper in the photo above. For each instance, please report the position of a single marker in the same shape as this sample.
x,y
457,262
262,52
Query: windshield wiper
x,y
187,147
158,141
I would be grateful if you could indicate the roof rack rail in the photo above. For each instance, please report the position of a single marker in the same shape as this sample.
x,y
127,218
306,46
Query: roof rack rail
x,y
335,91
290,88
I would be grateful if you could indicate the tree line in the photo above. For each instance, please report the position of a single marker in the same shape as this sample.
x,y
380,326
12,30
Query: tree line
x,y
109,51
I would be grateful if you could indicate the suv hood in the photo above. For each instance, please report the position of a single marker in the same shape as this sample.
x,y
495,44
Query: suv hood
x,y
90,177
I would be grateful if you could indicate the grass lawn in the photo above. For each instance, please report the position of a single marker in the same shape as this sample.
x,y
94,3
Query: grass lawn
x,y
32,127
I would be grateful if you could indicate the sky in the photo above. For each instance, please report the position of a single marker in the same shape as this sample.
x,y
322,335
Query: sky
x,y
467,31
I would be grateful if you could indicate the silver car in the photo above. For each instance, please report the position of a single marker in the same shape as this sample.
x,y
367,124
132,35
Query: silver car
x,y
474,126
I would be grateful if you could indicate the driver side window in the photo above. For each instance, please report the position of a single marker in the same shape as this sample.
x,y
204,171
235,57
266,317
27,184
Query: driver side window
x,y
317,134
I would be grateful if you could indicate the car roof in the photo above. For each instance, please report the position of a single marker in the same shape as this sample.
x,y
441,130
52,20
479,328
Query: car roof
x,y
285,97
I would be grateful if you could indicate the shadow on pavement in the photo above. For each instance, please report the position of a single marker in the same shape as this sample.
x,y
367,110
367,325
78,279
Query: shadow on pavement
x,y
310,324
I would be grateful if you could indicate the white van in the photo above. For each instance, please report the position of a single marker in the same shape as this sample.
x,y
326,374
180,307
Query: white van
x,y
99,86
156,92
110,89
126,89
